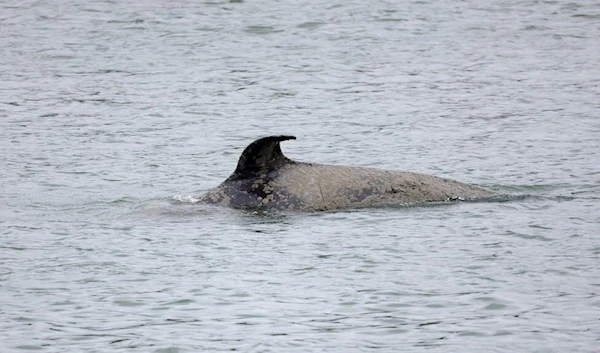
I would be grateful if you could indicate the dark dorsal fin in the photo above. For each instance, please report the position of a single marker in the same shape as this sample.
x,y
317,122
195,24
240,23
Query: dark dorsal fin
x,y
261,157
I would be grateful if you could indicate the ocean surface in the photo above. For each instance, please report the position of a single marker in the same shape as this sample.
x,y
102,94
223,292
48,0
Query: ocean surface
x,y
116,115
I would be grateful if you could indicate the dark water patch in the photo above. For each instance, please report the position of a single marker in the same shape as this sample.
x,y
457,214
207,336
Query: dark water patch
x,y
260,30
528,236
311,24
388,19
128,303
587,16
29,348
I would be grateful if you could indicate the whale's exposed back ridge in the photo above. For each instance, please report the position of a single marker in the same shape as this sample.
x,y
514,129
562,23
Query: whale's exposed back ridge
x,y
266,179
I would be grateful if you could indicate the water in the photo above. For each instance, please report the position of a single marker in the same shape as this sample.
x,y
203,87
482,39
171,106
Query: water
x,y
116,115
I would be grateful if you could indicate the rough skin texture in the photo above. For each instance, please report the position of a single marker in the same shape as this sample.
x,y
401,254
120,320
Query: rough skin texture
x,y
266,179
315,187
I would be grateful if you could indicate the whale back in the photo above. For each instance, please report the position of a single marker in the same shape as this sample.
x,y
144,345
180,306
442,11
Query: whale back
x,y
265,179
323,187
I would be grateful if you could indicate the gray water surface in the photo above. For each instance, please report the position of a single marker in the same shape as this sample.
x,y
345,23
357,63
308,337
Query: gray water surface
x,y
116,116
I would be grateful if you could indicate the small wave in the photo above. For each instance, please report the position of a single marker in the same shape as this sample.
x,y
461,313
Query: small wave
x,y
186,199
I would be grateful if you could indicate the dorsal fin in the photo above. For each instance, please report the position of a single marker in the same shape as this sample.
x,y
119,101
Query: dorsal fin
x,y
261,157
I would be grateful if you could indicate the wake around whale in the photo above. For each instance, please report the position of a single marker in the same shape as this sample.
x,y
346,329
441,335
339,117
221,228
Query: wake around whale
x,y
266,179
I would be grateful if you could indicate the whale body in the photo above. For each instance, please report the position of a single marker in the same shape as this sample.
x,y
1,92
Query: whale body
x,y
266,179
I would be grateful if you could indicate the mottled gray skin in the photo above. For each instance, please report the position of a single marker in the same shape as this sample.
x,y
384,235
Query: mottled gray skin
x,y
266,179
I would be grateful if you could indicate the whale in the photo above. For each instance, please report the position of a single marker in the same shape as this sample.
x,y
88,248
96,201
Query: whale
x,y
265,179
